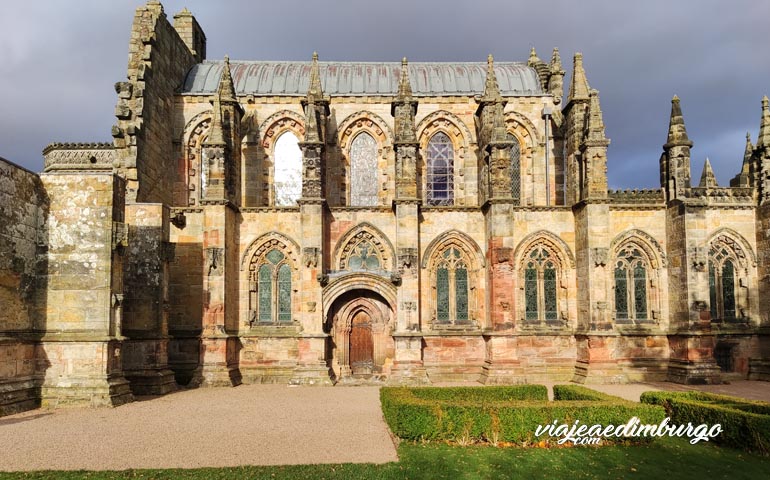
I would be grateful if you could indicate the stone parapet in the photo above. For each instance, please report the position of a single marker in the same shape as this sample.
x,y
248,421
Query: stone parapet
x,y
79,157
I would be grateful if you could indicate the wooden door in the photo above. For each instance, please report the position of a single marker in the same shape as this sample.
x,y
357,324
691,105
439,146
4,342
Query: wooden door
x,y
361,345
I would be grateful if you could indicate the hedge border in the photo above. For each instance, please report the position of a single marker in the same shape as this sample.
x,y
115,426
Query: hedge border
x,y
474,420
743,427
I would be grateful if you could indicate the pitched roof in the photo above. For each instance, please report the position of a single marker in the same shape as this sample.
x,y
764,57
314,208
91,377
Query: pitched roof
x,y
362,78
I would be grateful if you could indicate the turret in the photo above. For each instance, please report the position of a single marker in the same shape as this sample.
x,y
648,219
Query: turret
x,y
675,162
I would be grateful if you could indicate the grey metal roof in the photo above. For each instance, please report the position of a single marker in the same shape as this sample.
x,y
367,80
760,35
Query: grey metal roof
x,y
362,78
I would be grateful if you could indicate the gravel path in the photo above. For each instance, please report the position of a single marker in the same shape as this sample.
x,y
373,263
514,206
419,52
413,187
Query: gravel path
x,y
215,427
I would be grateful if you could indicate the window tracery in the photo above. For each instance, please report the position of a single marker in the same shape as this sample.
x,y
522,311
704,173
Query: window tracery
x,y
363,171
515,167
631,277
724,255
452,288
440,174
540,292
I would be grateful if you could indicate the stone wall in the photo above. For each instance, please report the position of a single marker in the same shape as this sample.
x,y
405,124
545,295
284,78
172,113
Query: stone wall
x,y
79,353
23,204
158,62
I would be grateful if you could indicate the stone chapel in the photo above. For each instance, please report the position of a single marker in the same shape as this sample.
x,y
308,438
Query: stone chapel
x,y
385,222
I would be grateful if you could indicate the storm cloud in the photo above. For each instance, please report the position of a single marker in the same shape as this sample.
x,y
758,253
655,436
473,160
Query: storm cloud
x,y
59,61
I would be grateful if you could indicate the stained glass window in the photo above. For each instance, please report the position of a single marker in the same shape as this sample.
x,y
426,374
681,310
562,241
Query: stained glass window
x,y
363,171
440,178
364,257
728,289
540,287
287,170
515,167
530,292
640,291
631,285
461,293
284,293
452,303
274,289
621,293
724,253
265,286
549,291
442,294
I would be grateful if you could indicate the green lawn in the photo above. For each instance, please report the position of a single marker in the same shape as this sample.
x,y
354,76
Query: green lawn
x,y
666,459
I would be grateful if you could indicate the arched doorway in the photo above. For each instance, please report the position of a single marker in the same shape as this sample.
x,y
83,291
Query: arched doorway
x,y
360,324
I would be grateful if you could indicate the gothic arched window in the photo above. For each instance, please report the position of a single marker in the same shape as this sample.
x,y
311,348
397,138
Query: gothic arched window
x,y
287,172
274,289
363,171
452,288
722,283
440,166
515,167
631,285
540,292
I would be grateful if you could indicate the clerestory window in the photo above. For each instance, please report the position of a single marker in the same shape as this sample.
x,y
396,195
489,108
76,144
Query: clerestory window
x,y
287,170
363,171
440,170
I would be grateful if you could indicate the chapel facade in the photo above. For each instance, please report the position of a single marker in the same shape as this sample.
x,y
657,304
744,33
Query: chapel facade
x,y
346,222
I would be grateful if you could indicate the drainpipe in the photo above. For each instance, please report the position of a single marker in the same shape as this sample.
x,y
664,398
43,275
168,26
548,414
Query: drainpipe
x,y
547,117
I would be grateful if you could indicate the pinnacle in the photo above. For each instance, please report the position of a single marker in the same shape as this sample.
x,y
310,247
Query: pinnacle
x,y
533,58
491,88
555,60
404,87
595,122
578,89
707,178
226,90
315,91
764,125
677,133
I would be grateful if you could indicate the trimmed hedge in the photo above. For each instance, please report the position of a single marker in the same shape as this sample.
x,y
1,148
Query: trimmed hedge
x,y
745,423
479,414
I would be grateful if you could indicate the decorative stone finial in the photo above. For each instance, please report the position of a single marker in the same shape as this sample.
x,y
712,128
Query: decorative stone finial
x,y
491,89
555,61
315,92
533,58
578,88
707,178
404,87
595,123
226,89
677,133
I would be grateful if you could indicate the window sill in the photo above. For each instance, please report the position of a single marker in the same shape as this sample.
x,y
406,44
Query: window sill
x,y
272,330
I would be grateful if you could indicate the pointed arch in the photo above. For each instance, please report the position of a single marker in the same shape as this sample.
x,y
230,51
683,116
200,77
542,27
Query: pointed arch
x,y
524,129
443,120
358,281
364,120
743,251
454,238
261,244
279,122
645,241
377,245
559,246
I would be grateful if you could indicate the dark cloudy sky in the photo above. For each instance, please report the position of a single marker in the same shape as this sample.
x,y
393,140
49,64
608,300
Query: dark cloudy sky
x,y
59,61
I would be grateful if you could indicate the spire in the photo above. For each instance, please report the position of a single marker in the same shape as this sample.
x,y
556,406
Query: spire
x,y
556,61
747,154
533,58
404,87
764,126
315,92
677,133
707,178
226,90
491,89
594,122
578,88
